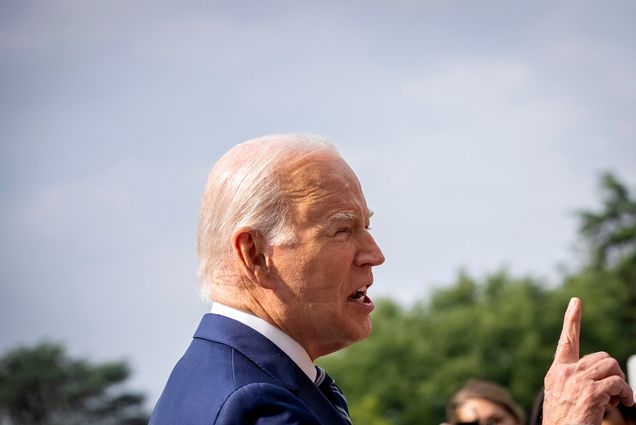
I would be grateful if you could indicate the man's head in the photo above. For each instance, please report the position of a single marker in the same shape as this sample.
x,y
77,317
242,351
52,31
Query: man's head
x,y
284,233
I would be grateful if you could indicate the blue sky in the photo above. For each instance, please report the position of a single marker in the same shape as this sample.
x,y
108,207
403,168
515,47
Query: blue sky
x,y
476,129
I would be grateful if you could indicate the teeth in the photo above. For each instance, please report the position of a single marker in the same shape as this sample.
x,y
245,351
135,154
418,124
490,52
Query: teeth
x,y
359,295
361,291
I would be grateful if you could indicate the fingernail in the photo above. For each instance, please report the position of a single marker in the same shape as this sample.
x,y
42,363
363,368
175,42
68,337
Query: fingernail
x,y
572,303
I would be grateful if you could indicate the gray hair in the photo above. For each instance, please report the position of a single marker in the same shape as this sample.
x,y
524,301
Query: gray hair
x,y
244,190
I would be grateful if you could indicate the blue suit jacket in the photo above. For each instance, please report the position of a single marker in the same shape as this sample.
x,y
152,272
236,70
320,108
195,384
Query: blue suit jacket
x,y
232,374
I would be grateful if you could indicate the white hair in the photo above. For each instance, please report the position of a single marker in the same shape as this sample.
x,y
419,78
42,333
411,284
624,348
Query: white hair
x,y
244,190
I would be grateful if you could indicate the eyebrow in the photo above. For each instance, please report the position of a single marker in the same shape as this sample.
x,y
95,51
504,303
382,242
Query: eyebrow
x,y
348,216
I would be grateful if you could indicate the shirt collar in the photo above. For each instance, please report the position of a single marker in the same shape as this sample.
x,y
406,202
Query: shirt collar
x,y
287,344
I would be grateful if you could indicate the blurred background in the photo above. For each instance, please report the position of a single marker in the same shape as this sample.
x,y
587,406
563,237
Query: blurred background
x,y
477,130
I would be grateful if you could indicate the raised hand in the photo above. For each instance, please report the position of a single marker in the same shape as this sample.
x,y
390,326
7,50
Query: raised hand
x,y
577,390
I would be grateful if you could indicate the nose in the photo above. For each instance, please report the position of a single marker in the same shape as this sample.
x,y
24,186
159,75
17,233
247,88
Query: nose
x,y
370,253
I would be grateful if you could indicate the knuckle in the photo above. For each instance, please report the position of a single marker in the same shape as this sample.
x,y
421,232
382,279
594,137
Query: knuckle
x,y
581,366
614,382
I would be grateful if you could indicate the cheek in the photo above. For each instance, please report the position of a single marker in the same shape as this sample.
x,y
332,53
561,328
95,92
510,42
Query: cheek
x,y
319,275
329,263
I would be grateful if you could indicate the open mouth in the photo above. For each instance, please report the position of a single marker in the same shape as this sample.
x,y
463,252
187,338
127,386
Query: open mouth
x,y
360,295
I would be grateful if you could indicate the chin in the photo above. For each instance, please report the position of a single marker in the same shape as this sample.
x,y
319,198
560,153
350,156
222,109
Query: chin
x,y
363,331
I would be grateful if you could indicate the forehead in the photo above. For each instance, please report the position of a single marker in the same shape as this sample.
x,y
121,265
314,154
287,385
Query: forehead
x,y
323,184
482,408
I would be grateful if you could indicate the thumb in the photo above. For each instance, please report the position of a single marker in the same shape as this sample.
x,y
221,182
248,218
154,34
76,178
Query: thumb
x,y
567,350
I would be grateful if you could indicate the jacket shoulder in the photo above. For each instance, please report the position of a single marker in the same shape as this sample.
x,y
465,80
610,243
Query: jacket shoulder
x,y
214,371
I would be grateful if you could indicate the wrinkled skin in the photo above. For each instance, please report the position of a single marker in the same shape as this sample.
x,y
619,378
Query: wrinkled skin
x,y
577,390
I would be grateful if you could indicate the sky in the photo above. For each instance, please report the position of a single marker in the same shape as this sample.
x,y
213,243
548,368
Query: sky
x,y
477,130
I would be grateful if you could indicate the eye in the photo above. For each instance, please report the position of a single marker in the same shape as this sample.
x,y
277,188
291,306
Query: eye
x,y
343,230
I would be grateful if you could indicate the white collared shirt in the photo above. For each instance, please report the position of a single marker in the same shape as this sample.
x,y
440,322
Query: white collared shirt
x,y
287,344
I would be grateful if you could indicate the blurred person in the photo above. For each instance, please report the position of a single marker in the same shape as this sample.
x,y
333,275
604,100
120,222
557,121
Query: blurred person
x,y
484,403
286,258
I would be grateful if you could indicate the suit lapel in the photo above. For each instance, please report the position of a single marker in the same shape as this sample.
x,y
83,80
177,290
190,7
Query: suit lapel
x,y
269,358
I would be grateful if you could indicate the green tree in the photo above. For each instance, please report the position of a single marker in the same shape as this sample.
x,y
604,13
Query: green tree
x,y
610,237
610,233
42,385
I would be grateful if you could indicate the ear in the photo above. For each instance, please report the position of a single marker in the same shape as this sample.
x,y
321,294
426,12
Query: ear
x,y
249,248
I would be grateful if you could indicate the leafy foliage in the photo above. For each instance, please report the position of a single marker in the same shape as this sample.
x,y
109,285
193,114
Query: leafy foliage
x,y
611,232
610,235
501,328
42,385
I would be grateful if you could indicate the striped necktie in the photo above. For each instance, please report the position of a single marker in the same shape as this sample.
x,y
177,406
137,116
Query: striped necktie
x,y
328,386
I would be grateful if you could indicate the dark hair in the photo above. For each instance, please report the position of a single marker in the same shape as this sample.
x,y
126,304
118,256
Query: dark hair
x,y
628,412
536,416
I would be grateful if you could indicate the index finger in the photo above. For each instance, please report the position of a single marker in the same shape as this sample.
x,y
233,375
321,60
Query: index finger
x,y
568,348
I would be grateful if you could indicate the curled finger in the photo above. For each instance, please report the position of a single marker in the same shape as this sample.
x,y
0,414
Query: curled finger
x,y
603,368
589,359
614,387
